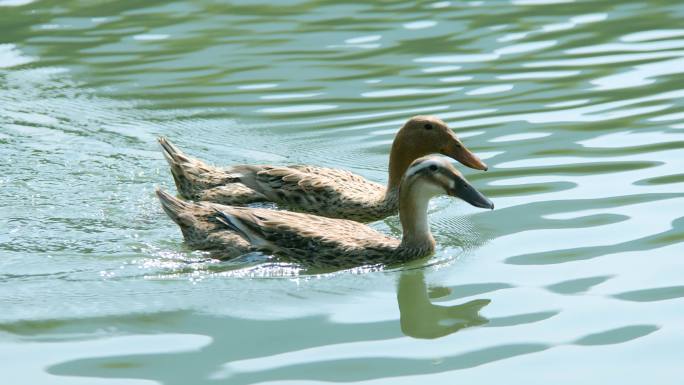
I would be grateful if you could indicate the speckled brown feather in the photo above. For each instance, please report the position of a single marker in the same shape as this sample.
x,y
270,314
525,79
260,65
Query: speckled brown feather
x,y
323,191
200,227
311,240
199,181
316,241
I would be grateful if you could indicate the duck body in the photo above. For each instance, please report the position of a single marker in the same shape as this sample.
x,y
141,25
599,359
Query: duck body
x,y
328,192
312,240
318,241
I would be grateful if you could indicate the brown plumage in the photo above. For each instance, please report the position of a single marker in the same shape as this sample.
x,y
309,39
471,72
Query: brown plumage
x,y
200,227
318,241
323,191
199,181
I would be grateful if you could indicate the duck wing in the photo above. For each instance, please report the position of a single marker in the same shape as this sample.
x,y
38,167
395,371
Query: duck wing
x,y
323,191
309,239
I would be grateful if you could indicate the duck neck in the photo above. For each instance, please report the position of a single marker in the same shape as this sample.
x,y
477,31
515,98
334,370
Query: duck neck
x,y
391,200
398,163
413,206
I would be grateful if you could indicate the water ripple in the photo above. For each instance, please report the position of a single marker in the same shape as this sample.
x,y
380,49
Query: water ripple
x,y
577,108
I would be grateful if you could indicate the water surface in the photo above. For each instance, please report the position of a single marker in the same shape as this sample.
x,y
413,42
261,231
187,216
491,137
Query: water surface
x,y
577,107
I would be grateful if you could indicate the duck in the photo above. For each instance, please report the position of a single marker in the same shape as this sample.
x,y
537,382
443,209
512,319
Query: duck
x,y
327,192
332,243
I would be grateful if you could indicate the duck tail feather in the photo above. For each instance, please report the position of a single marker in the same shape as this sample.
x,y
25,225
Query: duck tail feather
x,y
175,208
172,153
188,173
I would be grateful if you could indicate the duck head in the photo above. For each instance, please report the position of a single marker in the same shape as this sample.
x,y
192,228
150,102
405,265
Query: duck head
x,y
423,135
430,176
425,178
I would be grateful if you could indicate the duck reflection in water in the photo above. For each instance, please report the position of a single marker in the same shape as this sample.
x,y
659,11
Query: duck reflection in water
x,y
420,318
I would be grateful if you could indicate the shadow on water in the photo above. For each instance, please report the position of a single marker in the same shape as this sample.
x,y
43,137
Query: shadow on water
x,y
284,346
577,286
420,318
236,340
649,242
652,295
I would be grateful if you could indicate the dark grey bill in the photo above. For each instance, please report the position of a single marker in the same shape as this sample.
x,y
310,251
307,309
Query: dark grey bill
x,y
469,194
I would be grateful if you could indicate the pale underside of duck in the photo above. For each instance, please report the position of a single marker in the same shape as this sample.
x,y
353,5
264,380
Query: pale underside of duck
x,y
323,191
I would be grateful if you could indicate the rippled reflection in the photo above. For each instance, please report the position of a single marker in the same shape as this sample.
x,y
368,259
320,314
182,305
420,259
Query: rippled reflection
x,y
576,106
421,318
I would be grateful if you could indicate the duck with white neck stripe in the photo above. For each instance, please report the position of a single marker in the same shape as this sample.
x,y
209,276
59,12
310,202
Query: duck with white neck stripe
x,y
322,242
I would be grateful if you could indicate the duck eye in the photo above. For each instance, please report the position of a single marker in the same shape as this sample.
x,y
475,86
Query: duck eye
x,y
433,167
427,126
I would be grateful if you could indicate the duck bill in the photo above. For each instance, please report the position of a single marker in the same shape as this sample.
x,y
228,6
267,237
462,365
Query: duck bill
x,y
469,194
455,149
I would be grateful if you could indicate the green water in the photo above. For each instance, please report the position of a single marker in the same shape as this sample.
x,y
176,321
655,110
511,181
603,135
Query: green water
x,y
577,107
